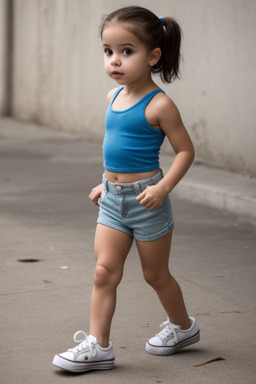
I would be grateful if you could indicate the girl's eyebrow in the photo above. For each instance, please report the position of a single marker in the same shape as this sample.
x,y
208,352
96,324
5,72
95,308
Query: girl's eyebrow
x,y
121,45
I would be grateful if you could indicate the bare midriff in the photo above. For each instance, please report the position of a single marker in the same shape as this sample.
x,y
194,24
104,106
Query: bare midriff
x,y
122,178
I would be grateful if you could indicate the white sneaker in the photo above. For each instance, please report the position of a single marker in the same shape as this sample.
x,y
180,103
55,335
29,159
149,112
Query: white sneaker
x,y
86,356
172,338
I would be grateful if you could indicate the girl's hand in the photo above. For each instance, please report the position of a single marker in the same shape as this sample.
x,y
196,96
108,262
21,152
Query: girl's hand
x,y
95,194
152,197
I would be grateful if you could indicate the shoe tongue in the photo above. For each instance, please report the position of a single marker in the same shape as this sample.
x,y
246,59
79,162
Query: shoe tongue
x,y
93,339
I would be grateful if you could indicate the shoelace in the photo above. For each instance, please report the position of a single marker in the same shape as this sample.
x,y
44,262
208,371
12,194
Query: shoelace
x,y
168,331
84,343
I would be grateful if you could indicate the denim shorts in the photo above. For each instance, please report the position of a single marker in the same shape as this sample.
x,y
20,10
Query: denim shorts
x,y
120,210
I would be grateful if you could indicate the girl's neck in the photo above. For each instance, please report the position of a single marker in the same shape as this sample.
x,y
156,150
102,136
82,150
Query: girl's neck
x,y
130,95
139,88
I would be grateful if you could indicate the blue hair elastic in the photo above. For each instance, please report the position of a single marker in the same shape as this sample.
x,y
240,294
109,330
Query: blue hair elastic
x,y
162,20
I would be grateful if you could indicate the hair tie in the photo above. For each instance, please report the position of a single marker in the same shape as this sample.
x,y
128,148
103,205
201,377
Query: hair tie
x,y
162,20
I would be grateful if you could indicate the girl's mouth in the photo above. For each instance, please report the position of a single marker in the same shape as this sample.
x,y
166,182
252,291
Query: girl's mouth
x,y
117,74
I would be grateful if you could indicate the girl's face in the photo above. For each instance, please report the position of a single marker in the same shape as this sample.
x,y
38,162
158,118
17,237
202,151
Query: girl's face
x,y
126,58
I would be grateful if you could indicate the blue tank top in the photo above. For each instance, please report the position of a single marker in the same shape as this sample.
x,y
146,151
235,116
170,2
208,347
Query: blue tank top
x,y
131,144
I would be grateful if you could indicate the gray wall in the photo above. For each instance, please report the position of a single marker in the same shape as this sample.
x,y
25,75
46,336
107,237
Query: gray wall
x,y
3,57
58,78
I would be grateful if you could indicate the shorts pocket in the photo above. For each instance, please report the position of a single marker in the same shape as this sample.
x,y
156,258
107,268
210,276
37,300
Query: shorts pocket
x,y
103,196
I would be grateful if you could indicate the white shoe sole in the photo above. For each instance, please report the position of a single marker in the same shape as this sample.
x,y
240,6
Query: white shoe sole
x,y
79,367
163,351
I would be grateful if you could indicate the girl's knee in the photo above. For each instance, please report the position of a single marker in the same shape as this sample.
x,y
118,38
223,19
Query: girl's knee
x,y
156,280
104,277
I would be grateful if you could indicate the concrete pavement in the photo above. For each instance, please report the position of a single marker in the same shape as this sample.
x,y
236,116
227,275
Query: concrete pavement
x,y
45,178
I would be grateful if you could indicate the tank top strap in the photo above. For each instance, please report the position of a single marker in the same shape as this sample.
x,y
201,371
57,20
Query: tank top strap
x,y
149,96
118,90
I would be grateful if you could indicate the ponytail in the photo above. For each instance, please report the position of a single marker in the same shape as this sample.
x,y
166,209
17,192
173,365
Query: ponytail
x,y
169,64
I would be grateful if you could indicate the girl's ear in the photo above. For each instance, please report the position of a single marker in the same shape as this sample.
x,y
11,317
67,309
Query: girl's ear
x,y
154,57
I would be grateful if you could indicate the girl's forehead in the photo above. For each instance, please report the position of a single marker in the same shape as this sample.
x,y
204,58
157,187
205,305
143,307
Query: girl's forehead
x,y
119,34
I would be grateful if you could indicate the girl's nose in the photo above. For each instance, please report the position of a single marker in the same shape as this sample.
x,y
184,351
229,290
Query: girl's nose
x,y
115,60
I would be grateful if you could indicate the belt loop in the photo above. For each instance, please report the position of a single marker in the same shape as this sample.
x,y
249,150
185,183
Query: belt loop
x,y
137,186
105,182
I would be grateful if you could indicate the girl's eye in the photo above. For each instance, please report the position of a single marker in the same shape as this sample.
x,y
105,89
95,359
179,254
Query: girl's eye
x,y
127,52
108,52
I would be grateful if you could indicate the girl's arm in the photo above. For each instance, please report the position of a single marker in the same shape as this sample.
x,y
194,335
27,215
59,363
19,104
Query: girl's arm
x,y
169,120
171,123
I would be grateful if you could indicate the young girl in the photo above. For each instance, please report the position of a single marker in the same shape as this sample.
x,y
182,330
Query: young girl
x,y
133,198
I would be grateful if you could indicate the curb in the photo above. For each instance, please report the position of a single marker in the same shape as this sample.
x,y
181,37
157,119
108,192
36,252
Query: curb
x,y
218,188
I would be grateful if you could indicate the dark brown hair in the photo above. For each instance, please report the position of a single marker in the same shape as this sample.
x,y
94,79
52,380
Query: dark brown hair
x,y
154,32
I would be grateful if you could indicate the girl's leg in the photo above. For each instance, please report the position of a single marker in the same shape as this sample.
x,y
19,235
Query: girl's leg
x,y
154,256
111,249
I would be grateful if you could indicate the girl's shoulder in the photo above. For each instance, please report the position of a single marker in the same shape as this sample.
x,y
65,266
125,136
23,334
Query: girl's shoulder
x,y
162,112
162,100
111,94
162,104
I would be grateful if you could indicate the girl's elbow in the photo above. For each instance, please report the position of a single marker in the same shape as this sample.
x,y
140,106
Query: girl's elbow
x,y
191,156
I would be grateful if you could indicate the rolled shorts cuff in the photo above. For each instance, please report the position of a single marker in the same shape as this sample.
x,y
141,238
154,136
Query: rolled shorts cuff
x,y
126,230
118,226
156,235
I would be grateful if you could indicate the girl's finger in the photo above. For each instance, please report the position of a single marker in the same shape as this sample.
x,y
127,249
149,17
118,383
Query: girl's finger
x,y
140,197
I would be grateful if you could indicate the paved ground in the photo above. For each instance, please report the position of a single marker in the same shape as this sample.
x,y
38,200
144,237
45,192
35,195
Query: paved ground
x,y
45,178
